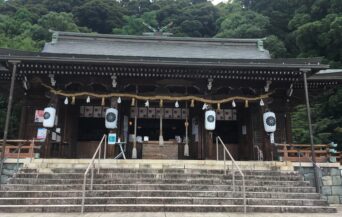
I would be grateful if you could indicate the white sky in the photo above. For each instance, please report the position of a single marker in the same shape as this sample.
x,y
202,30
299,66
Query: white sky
x,y
215,2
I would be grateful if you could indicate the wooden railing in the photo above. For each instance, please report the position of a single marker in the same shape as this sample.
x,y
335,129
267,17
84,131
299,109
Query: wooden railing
x,y
302,152
20,148
339,157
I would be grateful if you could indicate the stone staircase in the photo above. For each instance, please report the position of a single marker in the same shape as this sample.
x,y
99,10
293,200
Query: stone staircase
x,y
57,187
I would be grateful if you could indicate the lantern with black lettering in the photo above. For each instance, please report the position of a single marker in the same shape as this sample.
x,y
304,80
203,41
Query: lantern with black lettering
x,y
49,117
270,124
111,118
210,120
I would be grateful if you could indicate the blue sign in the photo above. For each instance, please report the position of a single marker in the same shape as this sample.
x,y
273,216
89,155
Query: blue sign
x,y
111,138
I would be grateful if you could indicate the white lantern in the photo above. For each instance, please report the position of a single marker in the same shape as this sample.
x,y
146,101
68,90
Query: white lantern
x,y
210,120
270,122
49,117
111,118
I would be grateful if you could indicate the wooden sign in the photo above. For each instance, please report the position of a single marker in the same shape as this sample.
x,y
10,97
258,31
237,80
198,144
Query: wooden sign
x,y
142,112
177,113
219,115
97,112
104,111
185,113
151,113
159,112
168,113
134,112
88,111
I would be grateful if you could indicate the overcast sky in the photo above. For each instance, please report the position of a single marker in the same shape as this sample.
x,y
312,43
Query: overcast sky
x,y
215,2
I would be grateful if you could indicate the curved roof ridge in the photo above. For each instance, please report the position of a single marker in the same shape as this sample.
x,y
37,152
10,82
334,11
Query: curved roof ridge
x,y
61,35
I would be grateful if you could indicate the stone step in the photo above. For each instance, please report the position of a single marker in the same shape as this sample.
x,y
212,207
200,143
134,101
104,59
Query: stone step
x,y
24,181
139,186
157,193
161,200
155,182
168,176
102,175
167,170
165,208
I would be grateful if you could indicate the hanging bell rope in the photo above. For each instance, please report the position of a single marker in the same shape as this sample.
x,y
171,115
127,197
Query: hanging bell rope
x,y
159,98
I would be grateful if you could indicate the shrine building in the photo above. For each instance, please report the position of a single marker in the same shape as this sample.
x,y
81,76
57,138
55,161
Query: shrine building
x,y
160,89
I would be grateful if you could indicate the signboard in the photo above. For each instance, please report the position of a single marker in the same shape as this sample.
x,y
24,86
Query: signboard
x,y
41,133
39,116
111,138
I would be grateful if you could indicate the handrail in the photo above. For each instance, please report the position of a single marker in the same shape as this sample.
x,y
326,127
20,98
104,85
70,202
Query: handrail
x,y
92,167
314,165
218,139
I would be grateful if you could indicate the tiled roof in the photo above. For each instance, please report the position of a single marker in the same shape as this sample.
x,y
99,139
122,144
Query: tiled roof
x,y
159,47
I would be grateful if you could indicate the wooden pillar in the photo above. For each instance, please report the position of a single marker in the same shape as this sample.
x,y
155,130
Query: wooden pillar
x,y
8,115
113,150
288,127
23,119
134,149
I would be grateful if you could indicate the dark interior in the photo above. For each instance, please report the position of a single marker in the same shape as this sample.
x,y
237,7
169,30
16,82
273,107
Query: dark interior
x,y
150,128
91,129
228,131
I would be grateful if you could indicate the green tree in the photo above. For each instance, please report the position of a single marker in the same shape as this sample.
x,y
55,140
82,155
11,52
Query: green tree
x,y
326,119
14,119
58,21
196,20
275,46
101,16
241,23
134,25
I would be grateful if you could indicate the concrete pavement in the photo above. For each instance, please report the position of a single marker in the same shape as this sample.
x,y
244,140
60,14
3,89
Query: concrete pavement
x,y
169,214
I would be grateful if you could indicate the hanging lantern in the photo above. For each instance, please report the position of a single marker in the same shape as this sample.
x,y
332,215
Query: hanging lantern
x,y
88,99
262,103
233,104
66,101
119,100
246,104
177,104
103,101
161,103
192,103
133,102
147,103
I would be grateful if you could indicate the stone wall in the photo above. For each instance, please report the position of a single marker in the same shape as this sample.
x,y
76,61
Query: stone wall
x,y
8,171
330,180
11,166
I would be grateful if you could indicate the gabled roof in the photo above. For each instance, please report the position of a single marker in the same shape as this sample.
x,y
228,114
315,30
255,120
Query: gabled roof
x,y
157,47
328,74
